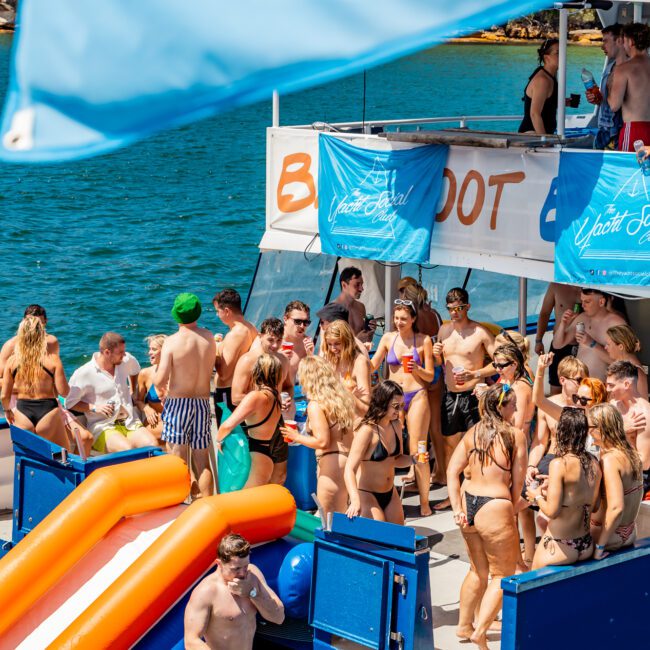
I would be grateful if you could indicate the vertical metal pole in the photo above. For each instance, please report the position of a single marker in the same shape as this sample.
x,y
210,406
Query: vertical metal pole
x,y
638,12
561,72
523,302
276,108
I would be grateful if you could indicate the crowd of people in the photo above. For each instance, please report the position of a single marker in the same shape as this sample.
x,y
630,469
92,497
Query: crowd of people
x,y
565,472
622,99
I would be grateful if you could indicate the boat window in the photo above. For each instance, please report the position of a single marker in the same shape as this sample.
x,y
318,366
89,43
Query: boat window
x,y
283,276
494,297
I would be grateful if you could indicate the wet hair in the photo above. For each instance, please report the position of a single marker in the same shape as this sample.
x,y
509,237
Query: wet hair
x,y
513,353
597,388
296,304
570,366
110,341
323,386
609,421
156,340
457,295
339,330
228,298
31,348
233,545
571,437
545,48
380,400
267,373
512,337
492,428
623,370
639,34
349,273
35,310
272,326
624,335
615,29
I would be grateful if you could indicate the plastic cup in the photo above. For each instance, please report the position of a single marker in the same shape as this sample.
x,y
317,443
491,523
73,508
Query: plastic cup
x,y
458,370
422,451
481,388
287,346
580,328
407,357
292,424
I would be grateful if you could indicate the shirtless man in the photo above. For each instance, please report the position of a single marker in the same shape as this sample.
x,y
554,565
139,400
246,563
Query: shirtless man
x,y
221,613
462,343
269,342
623,393
630,91
589,329
238,341
296,322
558,298
183,383
9,346
351,282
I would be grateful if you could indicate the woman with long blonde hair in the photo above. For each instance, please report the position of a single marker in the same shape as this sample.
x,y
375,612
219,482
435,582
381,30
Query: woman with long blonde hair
x,y
330,419
352,367
37,377
622,487
622,344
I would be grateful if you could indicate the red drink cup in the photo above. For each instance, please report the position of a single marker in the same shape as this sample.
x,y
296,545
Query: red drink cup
x,y
458,370
292,424
287,346
407,357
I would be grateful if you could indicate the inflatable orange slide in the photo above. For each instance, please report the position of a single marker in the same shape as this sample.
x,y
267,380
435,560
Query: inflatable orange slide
x,y
149,586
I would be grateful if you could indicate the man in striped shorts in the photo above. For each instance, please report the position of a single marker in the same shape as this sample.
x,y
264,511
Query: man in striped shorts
x,y
183,383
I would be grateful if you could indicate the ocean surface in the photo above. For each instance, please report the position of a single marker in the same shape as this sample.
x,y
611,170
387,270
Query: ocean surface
x,y
106,243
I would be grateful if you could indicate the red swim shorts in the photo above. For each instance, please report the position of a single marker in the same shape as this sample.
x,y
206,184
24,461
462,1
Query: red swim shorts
x,y
632,131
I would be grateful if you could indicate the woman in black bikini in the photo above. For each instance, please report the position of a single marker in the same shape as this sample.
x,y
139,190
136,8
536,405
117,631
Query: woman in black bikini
x,y
37,378
260,417
495,455
330,418
376,452
614,525
569,495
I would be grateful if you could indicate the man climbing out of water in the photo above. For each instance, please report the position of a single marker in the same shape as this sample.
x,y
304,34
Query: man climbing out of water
x,y
221,613
589,329
296,322
463,345
630,90
183,383
351,282
269,342
101,390
235,343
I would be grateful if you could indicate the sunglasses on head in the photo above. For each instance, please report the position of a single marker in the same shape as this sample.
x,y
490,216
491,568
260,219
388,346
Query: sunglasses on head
x,y
583,401
458,308
501,366
400,301
305,322
507,335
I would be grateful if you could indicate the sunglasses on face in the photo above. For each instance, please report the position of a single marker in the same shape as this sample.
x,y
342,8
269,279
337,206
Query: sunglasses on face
x,y
501,366
576,379
457,309
583,401
304,322
397,406
400,301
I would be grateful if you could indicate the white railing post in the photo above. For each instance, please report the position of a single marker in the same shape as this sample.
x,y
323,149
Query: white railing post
x,y
276,108
561,73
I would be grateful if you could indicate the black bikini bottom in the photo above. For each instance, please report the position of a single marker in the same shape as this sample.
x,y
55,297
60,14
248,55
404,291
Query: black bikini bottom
x,y
382,498
473,504
275,448
36,409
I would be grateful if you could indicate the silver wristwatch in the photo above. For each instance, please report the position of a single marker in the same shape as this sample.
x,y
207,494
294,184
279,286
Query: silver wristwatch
x,y
253,593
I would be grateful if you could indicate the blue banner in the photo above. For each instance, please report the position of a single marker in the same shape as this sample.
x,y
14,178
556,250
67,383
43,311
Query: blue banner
x,y
602,228
378,205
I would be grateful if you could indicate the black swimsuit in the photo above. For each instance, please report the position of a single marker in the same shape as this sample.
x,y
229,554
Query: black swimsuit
x,y
474,503
275,448
380,453
36,409
549,110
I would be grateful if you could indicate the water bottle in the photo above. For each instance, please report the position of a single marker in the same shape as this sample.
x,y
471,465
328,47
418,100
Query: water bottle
x,y
644,163
590,84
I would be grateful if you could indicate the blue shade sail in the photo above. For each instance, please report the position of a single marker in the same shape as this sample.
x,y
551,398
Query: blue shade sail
x,y
89,77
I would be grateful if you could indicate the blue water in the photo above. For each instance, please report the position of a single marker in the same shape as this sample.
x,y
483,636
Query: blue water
x,y
106,243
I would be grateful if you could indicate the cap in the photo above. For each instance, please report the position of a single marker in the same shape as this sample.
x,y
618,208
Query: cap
x,y
333,311
186,309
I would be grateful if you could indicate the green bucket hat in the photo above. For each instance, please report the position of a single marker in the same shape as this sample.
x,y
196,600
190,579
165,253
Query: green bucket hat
x,y
186,309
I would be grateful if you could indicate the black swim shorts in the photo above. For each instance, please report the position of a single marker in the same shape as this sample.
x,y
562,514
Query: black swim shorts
x,y
459,412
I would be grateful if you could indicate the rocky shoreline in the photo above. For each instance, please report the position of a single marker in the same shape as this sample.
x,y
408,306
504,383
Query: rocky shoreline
x,y
585,37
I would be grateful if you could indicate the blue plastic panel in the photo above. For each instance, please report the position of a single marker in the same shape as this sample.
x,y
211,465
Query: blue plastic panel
x,y
352,595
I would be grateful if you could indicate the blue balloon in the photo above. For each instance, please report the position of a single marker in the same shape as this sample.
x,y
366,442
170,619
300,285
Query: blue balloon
x,y
233,462
294,580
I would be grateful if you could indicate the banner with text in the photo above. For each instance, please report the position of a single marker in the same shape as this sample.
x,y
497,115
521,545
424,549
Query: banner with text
x,y
378,205
602,228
